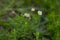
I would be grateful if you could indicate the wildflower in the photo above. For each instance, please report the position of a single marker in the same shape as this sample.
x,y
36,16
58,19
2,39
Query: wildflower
x,y
39,12
13,12
27,15
32,9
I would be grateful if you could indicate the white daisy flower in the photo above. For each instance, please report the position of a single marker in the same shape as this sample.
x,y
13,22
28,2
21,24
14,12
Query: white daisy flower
x,y
26,15
39,12
32,9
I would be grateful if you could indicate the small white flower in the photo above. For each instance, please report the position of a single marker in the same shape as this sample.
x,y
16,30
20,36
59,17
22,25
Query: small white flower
x,y
26,15
13,12
32,9
39,12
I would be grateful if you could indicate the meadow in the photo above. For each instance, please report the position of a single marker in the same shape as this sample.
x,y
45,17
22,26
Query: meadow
x,y
29,19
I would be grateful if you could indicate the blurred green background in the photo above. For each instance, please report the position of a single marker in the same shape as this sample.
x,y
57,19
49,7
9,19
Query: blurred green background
x,y
15,26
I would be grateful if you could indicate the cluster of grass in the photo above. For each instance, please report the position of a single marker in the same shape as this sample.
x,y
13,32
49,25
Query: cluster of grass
x,y
15,26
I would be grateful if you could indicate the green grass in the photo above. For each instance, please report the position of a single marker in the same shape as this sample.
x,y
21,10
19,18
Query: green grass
x,y
39,27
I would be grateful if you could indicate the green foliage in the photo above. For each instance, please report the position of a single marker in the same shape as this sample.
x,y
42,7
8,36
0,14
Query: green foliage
x,y
16,26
